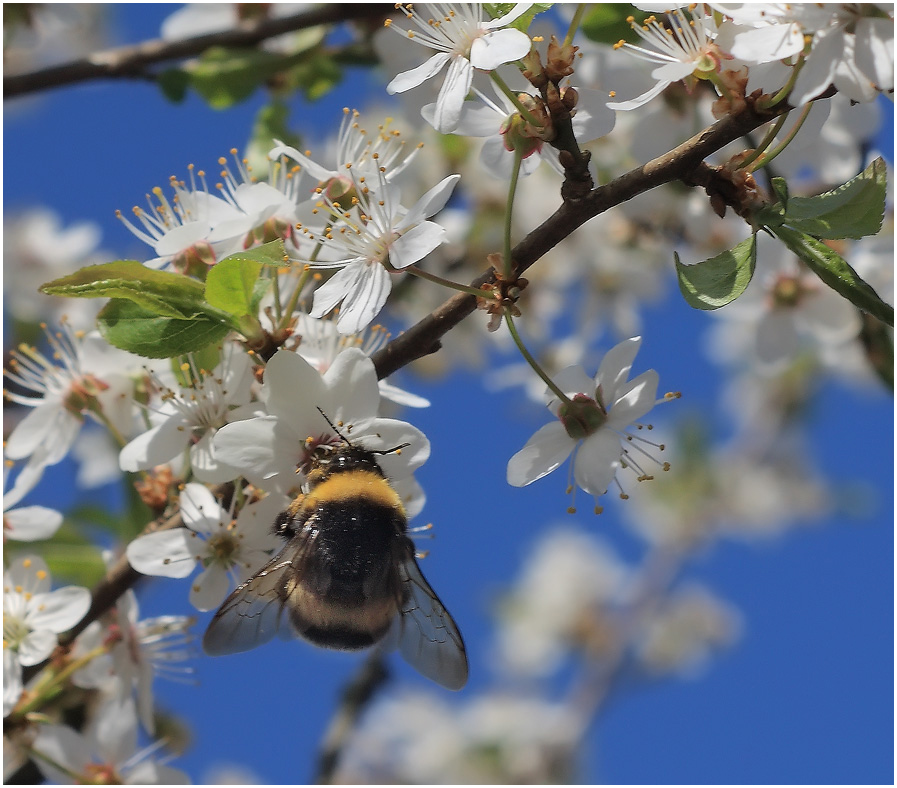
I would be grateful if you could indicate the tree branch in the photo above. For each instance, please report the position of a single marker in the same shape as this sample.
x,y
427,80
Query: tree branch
x,y
424,337
129,62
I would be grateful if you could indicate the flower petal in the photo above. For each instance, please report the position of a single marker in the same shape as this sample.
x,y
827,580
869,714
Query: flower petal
x,y
335,289
431,203
490,51
597,462
286,375
163,553
352,388
200,510
156,446
31,523
365,301
414,77
635,400
210,588
416,244
615,368
452,94
544,451
59,610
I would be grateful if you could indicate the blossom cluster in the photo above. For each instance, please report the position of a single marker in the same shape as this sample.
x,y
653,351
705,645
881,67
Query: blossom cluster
x,y
219,438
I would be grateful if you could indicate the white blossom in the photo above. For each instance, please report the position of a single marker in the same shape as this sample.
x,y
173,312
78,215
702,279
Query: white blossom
x,y
227,549
464,41
368,238
33,616
598,413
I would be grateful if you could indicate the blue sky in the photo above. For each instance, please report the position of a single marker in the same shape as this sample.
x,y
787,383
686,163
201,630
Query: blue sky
x,y
805,696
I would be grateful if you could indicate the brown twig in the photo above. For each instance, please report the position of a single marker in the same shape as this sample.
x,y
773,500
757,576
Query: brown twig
x,y
423,338
356,696
129,62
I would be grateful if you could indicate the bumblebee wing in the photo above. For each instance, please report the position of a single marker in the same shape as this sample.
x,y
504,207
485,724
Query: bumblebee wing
x,y
254,612
427,636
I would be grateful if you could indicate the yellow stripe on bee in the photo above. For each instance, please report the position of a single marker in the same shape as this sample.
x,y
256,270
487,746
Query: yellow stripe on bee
x,y
356,484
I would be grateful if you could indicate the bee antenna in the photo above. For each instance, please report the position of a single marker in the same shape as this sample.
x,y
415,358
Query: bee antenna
x,y
380,451
394,448
333,426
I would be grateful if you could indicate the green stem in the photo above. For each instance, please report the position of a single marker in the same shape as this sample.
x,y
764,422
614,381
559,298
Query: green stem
x,y
530,360
415,271
574,23
294,297
275,286
786,89
527,115
509,212
784,144
52,681
77,779
765,143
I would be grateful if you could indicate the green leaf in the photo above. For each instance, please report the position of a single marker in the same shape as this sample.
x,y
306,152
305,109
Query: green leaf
x,y
718,281
270,124
522,22
780,189
853,210
315,76
606,23
129,326
163,292
204,360
173,82
834,270
230,283
71,555
227,76
262,285
271,253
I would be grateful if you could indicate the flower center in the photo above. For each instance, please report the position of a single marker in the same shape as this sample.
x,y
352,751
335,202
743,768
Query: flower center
x,y
222,548
582,416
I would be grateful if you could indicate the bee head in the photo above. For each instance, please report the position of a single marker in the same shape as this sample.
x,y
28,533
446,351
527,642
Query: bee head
x,y
329,455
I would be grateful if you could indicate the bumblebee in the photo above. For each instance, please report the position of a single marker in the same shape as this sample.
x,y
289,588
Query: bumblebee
x,y
347,577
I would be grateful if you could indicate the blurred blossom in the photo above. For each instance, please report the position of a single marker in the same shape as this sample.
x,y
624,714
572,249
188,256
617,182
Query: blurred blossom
x,y
26,523
37,248
682,632
494,738
105,753
96,453
134,651
785,310
559,603
747,494
852,44
831,146
82,375
198,19
33,616
43,34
